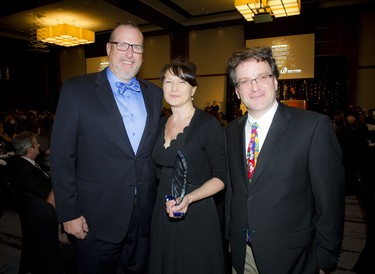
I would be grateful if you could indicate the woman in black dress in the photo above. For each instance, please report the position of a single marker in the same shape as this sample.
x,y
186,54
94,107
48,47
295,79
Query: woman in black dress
x,y
193,243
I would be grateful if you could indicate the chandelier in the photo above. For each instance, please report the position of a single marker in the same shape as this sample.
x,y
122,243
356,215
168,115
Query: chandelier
x,y
263,10
65,35
36,23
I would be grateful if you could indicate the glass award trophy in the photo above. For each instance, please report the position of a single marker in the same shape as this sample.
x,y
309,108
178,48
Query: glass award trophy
x,y
178,184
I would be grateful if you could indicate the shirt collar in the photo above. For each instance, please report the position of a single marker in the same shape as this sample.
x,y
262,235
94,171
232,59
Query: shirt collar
x,y
266,119
29,160
113,79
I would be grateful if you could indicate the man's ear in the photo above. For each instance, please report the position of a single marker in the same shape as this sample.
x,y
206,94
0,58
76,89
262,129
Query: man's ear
x,y
238,94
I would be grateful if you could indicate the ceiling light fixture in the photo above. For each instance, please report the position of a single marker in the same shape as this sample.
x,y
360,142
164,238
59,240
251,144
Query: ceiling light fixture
x,y
262,10
36,23
65,35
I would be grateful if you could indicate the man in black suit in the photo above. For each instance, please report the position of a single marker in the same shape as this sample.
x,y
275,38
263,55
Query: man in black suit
x,y
101,166
32,191
288,217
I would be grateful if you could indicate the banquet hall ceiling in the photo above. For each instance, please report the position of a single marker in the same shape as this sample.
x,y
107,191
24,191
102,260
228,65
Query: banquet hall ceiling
x,y
18,18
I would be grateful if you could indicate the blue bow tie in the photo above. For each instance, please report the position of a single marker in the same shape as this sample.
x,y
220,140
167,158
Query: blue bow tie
x,y
132,85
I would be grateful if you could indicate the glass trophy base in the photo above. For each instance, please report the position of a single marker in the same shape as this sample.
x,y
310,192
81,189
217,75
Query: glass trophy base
x,y
175,214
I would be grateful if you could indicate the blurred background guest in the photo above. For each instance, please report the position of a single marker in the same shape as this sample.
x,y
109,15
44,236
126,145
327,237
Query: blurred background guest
x,y
5,140
33,195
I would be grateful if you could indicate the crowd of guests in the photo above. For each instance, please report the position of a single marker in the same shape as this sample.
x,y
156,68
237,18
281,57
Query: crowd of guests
x,y
16,121
355,130
354,127
26,188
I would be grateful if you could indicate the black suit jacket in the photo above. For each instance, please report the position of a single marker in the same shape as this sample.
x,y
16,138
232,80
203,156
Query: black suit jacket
x,y
93,167
27,178
30,187
295,203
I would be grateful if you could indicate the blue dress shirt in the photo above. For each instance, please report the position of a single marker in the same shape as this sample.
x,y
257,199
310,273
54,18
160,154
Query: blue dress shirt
x,y
133,111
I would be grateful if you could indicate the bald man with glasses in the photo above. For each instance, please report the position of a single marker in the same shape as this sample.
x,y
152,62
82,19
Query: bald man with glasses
x,y
102,172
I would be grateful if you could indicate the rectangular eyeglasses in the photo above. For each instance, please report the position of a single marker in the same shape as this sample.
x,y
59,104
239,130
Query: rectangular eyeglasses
x,y
123,46
247,83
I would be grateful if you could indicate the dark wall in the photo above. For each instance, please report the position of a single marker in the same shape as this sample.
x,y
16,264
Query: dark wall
x,y
29,78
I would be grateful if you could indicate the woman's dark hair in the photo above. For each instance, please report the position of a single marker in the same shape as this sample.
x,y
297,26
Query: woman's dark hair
x,y
183,69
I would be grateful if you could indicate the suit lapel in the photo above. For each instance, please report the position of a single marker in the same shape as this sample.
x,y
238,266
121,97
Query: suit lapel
x,y
276,133
33,168
148,99
104,93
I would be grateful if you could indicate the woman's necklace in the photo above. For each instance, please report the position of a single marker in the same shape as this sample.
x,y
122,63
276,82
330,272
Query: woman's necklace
x,y
181,122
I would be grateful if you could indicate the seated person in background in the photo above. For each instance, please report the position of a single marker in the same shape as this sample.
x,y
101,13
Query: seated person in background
x,y
44,144
10,124
34,200
5,140
215,107
222,119
293,94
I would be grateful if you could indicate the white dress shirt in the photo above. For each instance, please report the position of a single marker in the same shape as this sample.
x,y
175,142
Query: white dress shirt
x,y
264,124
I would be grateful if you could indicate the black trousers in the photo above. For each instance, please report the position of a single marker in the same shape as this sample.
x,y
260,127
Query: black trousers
x,y
41,253
128,256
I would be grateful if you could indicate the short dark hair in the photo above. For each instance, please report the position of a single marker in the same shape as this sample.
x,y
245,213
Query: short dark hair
x,y
21,142
183,69
260,54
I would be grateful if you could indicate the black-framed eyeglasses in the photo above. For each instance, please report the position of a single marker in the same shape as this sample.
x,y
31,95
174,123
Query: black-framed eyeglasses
x,y
123,46
247,83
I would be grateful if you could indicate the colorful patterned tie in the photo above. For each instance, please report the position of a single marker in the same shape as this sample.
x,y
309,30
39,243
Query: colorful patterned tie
x,y
132,85
252,151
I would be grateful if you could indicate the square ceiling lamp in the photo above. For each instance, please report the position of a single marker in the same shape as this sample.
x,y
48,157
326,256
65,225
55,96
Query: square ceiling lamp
x,y
65,35
263,10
